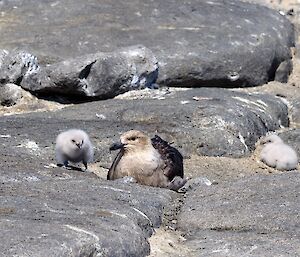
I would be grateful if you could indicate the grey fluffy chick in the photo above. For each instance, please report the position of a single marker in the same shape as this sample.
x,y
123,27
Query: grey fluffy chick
x,y
75,146
277,154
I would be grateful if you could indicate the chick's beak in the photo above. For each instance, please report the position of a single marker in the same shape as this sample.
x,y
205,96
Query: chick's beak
x,y
116,146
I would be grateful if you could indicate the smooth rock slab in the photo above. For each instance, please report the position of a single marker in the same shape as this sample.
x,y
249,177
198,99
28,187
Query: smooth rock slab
x,y
78,216
256,216
197,43
235,244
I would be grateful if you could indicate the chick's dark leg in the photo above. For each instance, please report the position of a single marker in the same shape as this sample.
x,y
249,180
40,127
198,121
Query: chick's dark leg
x,y
64,165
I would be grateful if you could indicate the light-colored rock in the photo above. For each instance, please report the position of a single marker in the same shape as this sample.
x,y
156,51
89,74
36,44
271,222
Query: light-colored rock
x,y
10,94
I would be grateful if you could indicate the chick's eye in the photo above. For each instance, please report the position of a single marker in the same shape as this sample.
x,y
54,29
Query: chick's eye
x,y
73,140
133,138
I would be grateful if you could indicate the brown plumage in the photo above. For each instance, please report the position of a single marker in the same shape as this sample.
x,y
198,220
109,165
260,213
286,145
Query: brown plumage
x,y
152,162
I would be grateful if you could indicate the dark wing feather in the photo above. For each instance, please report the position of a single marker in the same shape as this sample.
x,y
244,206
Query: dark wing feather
x,y
171,156
110,174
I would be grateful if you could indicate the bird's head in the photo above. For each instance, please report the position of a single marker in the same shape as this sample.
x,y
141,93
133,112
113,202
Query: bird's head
x,y
132,140
76,141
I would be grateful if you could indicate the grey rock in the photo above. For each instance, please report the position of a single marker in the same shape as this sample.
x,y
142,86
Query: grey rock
x,y
193,183
100,75
127,180
283,71
10,94
247,217
205,121
59,213
295,111
50,211
197,43
242,243
216,122
15,65
292,138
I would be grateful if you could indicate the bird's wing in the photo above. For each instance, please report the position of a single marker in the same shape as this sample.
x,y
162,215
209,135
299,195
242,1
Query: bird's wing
x,y
171,156
114,165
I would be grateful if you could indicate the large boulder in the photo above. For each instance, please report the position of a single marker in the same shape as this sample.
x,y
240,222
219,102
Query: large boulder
x,y
197,43
101,75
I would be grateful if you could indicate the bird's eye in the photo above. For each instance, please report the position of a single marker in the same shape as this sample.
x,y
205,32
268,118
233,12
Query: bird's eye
x,y
82,142
132,138
73,140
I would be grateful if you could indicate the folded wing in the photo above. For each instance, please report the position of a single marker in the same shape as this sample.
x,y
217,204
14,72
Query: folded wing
x,y
171,156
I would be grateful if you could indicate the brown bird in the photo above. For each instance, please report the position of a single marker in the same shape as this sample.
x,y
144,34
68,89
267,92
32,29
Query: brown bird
x,y
152,162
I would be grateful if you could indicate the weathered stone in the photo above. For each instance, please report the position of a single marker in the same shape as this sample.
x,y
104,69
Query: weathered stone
x,y
100,75
50,211
216,122
10,94
15,65
217,243
250,215
205,121
292,138
53,212
197,43
295,112
283,71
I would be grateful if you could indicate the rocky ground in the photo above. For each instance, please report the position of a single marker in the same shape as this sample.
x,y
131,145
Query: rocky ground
x,y
82,64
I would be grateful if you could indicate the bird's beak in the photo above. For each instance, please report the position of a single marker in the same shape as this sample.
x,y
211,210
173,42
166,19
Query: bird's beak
x,y
116,146
78,145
